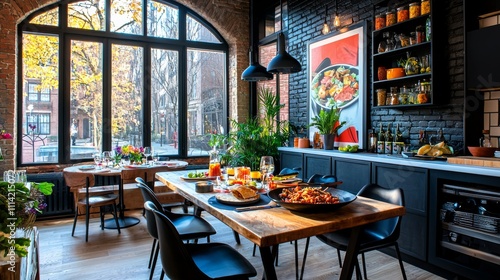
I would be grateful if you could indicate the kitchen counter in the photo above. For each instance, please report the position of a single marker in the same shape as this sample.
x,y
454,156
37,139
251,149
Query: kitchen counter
x,y
399,160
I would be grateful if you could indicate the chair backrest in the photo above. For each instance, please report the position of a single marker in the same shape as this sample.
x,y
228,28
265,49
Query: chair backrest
x,y
77,180
128,175
176,261
389,228
322,179
149,195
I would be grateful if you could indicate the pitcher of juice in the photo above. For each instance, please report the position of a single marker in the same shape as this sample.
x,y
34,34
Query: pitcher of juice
x,y
214,164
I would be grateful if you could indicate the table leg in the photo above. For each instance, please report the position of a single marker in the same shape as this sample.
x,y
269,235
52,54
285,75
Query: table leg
x,y
351,255
268,263
123,221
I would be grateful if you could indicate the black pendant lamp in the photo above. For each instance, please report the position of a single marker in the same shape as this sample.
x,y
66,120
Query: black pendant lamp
x,y
283,62
255,72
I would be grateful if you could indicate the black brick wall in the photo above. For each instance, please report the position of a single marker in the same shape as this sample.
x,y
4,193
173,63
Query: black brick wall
x,y
305,22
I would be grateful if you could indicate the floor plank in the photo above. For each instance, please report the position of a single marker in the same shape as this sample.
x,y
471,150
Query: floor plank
x,y
109,255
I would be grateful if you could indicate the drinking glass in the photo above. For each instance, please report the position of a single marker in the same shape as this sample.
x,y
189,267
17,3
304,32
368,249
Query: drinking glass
x,y
97,160
156,158
266,168
106,157
147,152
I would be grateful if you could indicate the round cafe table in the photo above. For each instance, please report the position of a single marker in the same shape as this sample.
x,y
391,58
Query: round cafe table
x,y
123,220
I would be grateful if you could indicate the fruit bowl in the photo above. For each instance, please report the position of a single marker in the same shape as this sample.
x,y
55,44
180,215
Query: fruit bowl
x,y
482,151
394,73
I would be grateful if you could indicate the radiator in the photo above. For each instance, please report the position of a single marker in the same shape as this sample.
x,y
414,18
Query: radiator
x,y
60,202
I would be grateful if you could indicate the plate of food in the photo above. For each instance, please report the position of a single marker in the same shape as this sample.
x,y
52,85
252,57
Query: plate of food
x,y
197,176
336,85
311,199
240,195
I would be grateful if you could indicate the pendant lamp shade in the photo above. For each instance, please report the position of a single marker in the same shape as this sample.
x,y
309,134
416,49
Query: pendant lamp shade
x,y
255,72
283,62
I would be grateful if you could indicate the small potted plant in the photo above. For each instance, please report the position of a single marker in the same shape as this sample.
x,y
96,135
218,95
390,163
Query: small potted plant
x,y
327,123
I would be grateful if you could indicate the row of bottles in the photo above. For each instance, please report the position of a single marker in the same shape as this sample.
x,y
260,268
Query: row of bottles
x,y
387,142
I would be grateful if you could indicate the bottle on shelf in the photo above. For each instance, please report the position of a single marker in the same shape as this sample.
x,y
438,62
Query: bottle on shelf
x,y
373,141
428,29
398,143
388,140
381,140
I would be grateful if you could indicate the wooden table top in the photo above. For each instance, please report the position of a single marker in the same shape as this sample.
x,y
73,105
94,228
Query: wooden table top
x,y
278,225
180,165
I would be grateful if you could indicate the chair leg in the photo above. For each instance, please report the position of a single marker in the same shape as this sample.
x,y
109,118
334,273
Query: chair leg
x,y
253,252
116,218
162,274
87,214
296,260
340,258
304,260
155,259
358,271
237,238
152,252
400,261
277,254
364,265
74,222
101,216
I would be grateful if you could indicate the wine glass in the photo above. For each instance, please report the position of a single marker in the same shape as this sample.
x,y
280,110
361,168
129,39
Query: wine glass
x,y
97,160
147,152
106,157
266,168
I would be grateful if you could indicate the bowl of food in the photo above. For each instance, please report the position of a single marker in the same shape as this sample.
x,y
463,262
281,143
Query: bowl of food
x,y
393,73
311,199
336,85
482,151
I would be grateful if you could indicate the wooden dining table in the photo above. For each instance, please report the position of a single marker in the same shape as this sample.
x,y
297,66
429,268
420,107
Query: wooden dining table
x,y
123,221
270,227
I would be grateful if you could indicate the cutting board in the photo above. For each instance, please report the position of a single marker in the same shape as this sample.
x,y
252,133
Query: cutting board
x,y
480,161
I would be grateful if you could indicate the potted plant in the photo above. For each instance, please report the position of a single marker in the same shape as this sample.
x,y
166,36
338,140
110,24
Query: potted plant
x,y
259,136
327,123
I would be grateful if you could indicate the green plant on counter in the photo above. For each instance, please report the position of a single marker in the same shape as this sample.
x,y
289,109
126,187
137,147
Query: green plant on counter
x,y
326,121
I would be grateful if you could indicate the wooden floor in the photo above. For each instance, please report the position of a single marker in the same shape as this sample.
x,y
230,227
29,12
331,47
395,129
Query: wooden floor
x,y
109,255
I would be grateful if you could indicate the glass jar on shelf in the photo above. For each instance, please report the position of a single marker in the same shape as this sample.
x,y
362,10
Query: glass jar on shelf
x,y
393,97
425,7
380,21
381,96
404,98
390,18
414,10
403,13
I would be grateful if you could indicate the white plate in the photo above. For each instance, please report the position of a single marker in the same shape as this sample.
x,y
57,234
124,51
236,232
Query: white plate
x,y
230,199
86,167
185,177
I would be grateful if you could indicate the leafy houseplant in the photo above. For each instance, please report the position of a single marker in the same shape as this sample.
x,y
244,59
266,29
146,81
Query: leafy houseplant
x,y
327,123
260,136
18,208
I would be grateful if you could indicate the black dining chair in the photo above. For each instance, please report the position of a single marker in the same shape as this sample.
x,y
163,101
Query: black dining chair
x,y
373,236
189,226
196,261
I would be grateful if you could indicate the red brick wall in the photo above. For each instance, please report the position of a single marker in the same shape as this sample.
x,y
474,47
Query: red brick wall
x,y
229,17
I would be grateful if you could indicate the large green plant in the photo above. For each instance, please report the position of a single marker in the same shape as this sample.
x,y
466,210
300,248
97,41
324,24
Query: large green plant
x,y
259,136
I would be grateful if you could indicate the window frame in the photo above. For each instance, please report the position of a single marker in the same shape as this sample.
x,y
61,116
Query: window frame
x,y
66,34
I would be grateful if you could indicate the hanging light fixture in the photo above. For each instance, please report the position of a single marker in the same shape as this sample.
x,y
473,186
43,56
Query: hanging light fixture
x,y
283,62
255,72
326,29
336,21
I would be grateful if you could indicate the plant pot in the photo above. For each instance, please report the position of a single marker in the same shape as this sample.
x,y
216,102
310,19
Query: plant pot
x,y
296,142
328,140
304,143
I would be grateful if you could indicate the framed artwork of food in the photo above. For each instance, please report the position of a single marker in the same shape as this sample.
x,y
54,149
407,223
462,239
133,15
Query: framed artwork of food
x,y
337,75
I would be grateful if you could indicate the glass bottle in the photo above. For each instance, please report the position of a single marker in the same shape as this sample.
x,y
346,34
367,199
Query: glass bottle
x,y
381,140
428,29
398,143
373,141
214,169
485,140
388,140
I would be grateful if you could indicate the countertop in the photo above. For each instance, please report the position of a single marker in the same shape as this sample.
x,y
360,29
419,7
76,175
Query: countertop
x,y
399,160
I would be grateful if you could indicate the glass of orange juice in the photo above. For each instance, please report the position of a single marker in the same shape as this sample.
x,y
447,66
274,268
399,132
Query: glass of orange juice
x,y
242,173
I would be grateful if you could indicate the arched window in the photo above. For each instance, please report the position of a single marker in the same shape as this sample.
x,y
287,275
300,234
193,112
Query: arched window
x,y
96,74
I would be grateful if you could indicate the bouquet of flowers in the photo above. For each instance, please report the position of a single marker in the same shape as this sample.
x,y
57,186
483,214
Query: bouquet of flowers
x,y
133,153
20,212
